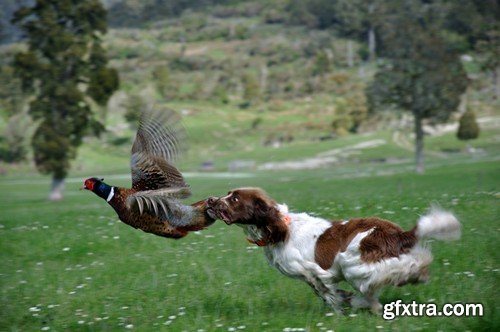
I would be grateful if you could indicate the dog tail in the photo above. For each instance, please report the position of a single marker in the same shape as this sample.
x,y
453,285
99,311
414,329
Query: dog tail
x,y
438,224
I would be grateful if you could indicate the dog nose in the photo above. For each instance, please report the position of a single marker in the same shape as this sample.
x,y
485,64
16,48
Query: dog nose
x,y
212,200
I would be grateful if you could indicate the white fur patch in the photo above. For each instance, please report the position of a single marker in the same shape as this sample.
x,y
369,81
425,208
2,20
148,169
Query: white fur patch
x,y
398,270
438,224
350,263
295,257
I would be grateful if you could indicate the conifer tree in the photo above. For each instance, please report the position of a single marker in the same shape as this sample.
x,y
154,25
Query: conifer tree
x,y
468,128
64,65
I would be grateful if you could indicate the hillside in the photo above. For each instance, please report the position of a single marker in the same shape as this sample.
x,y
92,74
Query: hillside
x,y
253,96
256,92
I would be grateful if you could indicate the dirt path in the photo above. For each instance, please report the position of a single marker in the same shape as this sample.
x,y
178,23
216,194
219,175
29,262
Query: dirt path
x,y
324,158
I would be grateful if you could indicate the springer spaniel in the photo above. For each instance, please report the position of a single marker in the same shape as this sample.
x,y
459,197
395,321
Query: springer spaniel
x,y
368,253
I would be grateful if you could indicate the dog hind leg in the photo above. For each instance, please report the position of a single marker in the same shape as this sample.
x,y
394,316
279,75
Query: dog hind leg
x,y
329,293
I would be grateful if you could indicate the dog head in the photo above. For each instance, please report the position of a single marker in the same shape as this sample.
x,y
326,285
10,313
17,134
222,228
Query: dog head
x,y
250,206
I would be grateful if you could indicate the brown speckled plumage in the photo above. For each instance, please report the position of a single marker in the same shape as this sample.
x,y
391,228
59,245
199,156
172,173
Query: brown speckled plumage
x,y
152,204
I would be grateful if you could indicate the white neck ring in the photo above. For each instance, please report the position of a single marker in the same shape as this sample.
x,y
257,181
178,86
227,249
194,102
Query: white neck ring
x,y
111,194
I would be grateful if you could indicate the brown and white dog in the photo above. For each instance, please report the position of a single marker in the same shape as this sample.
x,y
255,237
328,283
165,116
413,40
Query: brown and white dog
x,y
368,253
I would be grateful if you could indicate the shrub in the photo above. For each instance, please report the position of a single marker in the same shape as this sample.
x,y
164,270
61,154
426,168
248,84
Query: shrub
x,y
468,128
274,16
14,142
256,122
341,125
220,94
193,63
241,32
322,63
250,87
161,79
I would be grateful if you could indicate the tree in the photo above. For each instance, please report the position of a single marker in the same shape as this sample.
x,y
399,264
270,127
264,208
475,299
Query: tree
x,y
468,128
475,24
352,19
421,75
322,64
63,67
359,19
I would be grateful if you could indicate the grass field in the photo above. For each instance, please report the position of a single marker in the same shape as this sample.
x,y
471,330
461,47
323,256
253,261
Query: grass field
x,y
72,265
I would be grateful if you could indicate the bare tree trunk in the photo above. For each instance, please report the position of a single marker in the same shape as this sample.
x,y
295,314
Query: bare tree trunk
x,y
350,55
264,73
56,191
462,107
419,145
232,31
372,45
496,82
329,55
182,40
361,71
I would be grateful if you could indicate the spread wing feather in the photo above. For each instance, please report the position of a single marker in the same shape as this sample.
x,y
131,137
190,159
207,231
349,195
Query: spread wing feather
x,y
157,202
157,145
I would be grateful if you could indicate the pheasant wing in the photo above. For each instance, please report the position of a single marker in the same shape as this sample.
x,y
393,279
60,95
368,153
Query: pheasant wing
x,y
150,173
161,202
157,145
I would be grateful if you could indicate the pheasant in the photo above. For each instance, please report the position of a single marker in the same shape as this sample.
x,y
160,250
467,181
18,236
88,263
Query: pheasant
x,y
153,203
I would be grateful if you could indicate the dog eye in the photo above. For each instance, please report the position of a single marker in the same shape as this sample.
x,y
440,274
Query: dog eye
x,y
234,199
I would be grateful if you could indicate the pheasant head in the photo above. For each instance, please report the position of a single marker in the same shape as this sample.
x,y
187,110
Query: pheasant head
x,y
100,188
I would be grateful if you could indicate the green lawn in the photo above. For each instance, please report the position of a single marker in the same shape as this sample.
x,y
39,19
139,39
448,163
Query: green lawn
x,y
72,265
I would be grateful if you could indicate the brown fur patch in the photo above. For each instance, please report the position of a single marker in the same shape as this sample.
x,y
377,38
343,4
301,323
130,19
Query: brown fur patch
x,y
386,240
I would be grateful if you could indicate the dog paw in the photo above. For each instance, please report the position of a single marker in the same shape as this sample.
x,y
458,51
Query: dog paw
x,y
359,302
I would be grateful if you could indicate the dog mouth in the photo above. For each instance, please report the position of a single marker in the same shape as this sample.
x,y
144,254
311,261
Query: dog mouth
x,y
219,214
211,213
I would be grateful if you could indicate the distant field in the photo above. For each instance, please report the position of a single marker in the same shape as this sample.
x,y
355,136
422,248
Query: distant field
x,y
72,265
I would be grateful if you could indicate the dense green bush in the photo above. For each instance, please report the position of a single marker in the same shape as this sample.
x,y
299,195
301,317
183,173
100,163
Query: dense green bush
x,y
194,63
468,128
242,9
250,87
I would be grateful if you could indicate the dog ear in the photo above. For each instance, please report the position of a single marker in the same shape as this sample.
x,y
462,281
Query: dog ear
x,y
269,219
278,231
264,210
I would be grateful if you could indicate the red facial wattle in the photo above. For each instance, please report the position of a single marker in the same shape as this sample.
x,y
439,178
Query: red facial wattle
x,y
89,184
